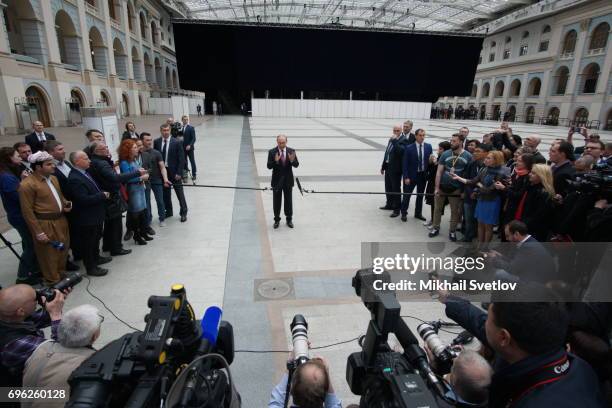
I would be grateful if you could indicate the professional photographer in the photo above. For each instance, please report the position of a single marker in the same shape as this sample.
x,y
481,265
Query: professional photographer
x,y
532,367
311,387
469,379
53,361
21,327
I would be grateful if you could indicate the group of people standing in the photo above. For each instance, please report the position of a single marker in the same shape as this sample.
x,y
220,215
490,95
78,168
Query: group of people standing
x,y
59,202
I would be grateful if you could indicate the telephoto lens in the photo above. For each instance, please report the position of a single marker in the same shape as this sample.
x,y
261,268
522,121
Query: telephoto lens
x,y
430,337
69,281
299,335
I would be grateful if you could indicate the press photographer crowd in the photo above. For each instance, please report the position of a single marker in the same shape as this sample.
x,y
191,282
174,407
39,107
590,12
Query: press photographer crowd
x,y
544,353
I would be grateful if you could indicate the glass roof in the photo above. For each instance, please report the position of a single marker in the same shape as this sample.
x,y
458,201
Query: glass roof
x,y
427,15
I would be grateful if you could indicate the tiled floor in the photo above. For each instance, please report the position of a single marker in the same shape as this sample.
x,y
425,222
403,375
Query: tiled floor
x,y
228,244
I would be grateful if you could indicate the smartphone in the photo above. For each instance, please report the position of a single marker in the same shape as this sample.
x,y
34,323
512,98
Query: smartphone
x,y
68,204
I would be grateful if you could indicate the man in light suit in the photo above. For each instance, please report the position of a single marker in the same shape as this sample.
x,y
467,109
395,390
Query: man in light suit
x,y
415,163
173,154
282,160
38,137
189,139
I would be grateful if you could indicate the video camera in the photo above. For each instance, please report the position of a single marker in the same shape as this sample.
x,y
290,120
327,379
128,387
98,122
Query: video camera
x,y
384,378
69,281
175,362
176,129
596,183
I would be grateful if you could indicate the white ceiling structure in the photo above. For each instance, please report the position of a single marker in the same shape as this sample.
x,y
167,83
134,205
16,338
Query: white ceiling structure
x,y
426,15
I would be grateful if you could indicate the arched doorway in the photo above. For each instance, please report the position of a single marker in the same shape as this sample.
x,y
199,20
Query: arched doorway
x,y
37,106
486,89
529,114
511,113
496,112
23,30
553,116
168,83
483,112
562,77
77,100
125,105
158,72
98,51
581,117
105,99
590,75
67,39
148,69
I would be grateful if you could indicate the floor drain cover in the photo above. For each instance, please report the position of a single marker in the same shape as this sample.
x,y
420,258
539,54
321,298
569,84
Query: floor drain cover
x,y
274,289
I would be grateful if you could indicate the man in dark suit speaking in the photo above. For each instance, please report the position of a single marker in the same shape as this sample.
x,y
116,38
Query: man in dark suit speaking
x,y
415,163
38,138
281,161
173,154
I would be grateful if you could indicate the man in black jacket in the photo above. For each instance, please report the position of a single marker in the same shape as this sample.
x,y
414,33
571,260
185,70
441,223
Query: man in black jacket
x,y
189,139
392,167
173,153
532,367
282,160
561,155
38,137
109,180
407,132
130,132
89,209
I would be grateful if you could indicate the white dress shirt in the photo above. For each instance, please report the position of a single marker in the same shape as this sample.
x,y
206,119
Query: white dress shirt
x,y
63,167
55,193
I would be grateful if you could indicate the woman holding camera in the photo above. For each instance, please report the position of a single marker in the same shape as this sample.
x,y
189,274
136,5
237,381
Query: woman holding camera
x,y
488,194
137,206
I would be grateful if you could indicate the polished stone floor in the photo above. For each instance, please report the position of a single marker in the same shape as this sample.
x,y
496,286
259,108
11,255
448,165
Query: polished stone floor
x,y
228,254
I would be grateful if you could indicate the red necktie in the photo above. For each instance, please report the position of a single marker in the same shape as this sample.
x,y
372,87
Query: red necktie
x,y
283,156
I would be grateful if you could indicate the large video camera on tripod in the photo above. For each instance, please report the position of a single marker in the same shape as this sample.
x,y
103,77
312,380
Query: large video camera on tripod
x,y
176,362
384,378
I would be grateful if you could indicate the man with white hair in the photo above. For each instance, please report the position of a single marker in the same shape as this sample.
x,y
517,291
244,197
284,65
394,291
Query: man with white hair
x,y
533,141
470,377
53,361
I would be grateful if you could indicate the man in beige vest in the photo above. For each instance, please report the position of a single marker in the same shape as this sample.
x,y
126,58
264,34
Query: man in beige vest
x,y
53,361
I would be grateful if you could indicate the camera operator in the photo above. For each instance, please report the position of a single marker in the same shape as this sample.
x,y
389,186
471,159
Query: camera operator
x,y
532,367
501,138
469,379
53,361
311,387
21,327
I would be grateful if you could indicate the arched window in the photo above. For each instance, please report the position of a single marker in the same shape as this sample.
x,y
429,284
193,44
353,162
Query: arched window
x,y
599,38
104,98
67,39
562,77
546,29
486,89
553,116
98,51
154,33
120,59
590,75
112,10
493,44
515,88
143,25
158,72
130,13
136,65
525,34
569,42
529,114
499,88
534,87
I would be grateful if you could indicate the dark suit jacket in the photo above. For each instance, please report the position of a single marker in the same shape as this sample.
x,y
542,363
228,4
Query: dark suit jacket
x,y
560,177
176,156
396,156
88,202
410,163
538,158
63,180
34,143
108,179
189,136
282,175
410,137
126,135
531,262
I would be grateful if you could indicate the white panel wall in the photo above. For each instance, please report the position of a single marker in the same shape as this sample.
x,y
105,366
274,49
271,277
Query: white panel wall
x,y
340,109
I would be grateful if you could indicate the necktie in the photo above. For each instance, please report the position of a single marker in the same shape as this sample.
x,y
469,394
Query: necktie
x,y
420,157
389,146
164,150
283,156
92,180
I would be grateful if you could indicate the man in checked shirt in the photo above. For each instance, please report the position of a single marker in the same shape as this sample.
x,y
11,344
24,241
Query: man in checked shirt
x,y
21,327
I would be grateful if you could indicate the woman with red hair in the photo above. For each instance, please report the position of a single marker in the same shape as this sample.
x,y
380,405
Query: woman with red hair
x,y
137,206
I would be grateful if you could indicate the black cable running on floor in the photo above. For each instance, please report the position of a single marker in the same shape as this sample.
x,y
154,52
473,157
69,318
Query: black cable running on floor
x,y
104,304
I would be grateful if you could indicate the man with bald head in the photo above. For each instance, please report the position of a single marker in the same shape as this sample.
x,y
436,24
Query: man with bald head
x,y
533,141
282,160
38,137
21,327
88,212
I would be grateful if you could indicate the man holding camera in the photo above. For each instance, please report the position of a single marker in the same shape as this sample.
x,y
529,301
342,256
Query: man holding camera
x,y
310,387
531,364
21,327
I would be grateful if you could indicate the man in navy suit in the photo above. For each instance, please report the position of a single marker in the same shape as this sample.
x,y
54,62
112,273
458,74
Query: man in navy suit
x,y
88,214
38,137
282,160
189,139
173,154
415,163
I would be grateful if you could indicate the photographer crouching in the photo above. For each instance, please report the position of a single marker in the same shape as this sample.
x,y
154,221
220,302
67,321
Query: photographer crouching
x,y
21,326
531,365
308,381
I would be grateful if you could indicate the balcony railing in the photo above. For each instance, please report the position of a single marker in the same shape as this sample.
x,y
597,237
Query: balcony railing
x,y
116,24
92,9
596,51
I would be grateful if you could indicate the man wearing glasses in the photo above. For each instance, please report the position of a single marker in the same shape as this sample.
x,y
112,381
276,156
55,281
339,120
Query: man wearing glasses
x,y
595,149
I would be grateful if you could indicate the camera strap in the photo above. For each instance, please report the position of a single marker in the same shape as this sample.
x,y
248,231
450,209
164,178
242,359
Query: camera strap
x,y
547,374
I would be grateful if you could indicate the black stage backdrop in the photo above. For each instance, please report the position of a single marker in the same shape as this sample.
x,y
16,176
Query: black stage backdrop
x,y
229,60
